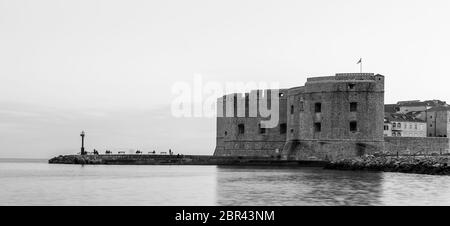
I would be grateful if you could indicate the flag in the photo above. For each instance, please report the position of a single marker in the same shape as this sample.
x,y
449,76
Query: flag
x,y
360,61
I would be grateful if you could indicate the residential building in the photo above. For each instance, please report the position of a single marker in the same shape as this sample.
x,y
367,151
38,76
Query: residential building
x,y
404,125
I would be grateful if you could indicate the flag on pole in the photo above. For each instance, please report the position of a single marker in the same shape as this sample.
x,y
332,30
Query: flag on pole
x,y
360,65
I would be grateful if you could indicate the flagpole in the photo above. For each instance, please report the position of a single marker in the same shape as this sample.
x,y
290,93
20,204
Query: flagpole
x,y
360,66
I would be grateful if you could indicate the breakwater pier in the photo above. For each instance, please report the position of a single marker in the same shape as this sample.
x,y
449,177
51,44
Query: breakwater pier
x,y
143,159
432,165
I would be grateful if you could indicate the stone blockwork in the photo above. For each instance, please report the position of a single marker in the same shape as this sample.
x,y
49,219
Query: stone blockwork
x,y
240,132
417,145
330,117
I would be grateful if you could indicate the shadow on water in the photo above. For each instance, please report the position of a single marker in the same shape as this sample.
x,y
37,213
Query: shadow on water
x,y
296,186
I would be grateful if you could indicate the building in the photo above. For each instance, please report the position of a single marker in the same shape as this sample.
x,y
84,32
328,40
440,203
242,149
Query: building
x,y
438,121
426,111
328,118
416,105
404,125
387,127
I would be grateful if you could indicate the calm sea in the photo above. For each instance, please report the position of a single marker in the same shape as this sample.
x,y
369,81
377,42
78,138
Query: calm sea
x,y
34,182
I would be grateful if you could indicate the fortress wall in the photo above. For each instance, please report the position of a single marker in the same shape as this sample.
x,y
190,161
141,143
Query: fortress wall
x,y
250,148
335,139
230,142
297,111
331,150
412,145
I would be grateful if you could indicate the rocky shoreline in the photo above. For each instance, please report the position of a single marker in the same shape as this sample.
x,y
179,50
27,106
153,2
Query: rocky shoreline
x,y
433,165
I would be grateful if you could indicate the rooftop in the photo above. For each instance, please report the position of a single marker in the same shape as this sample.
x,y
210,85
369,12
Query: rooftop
x,y
399,117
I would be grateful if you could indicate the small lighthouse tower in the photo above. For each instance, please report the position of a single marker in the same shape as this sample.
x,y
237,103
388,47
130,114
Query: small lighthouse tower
x,y
82,143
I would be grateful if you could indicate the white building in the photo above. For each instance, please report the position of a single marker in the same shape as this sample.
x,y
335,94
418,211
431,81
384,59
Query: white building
x,y
404,125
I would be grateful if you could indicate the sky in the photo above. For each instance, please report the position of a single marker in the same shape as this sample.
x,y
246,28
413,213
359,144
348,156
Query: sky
x,y
108,66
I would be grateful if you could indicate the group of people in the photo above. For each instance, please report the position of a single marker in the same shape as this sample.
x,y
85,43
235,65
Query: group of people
x,y
108,152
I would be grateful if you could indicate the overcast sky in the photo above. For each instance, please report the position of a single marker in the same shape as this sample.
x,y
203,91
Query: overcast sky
x,y
108,66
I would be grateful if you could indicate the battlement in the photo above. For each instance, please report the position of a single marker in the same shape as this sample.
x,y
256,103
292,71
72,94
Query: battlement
x,y
255,93
346,76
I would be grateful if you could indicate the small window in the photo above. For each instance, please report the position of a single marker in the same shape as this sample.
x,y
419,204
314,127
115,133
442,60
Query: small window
x,y
302,106
226,133
353,126
318,107
292,109
351,85
430,135
431,125
292,130
283,128
241,128
262,130
317,127
281,94
353,107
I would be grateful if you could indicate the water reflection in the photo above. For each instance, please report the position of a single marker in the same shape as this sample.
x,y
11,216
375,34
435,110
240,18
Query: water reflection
x,y
34,183
296,186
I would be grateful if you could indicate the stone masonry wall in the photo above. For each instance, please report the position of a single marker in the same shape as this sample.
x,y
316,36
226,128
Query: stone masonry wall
x,y
416,145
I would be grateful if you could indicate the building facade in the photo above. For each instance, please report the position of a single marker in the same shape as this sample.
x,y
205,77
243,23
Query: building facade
x,y
404,125
438,121
433,112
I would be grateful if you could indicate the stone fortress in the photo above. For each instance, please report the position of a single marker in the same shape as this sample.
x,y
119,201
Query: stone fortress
x,y
329,118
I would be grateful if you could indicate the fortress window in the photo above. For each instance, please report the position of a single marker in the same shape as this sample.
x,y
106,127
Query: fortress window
x,y
317,127
351,85
226,133
353,107
292,109
283,128
262,130
302,105
281,94
241,128
292,130
353,126
318,107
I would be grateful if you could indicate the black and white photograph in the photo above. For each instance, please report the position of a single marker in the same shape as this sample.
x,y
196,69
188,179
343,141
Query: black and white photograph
x,y
256,104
